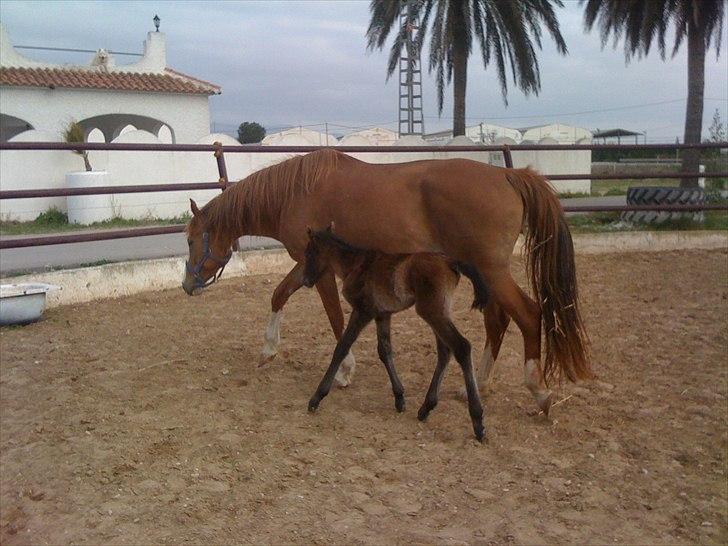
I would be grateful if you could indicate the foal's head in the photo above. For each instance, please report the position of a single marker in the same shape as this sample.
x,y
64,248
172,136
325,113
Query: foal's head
x,y
209,250
325,251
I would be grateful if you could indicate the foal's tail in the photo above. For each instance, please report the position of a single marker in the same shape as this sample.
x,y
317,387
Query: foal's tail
x,y
480,289
549,252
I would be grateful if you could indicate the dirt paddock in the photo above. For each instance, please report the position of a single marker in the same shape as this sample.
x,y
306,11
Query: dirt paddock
x,y
144,420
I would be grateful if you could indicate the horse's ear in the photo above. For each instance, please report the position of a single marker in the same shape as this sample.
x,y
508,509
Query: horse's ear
x,y
193,207
310,232
330,229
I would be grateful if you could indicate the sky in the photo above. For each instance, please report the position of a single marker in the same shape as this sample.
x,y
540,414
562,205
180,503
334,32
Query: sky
x,y
285,63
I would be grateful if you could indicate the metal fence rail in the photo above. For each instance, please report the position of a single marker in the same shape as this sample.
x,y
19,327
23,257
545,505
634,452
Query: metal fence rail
x,y
219,150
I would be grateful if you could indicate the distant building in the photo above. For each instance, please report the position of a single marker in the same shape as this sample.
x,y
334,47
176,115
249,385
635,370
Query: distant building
x,y
105,98
299,136
485,133
374,136
563,134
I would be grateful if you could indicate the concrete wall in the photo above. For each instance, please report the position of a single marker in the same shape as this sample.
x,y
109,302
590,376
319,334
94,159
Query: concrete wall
x,y
51,110
34,170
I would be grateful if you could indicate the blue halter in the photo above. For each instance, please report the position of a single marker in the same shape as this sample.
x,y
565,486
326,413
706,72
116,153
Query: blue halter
x,y
207,255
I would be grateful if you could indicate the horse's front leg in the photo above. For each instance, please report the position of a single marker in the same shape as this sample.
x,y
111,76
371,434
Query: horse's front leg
x,y
357,322
292,282
329,294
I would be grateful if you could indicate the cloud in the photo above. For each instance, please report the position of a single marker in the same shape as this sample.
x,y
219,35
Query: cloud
x,y
284,63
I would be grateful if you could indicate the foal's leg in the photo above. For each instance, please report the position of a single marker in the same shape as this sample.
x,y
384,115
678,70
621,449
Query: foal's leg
x,y
527,315
357,322
435,312
384,348
329,294
292,282
443,357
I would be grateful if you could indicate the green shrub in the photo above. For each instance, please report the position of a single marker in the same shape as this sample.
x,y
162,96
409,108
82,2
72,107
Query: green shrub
x,y
51,218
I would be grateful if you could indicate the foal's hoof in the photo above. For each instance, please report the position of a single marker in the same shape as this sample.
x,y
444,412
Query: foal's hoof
x,y
399,404
479,433
313,405
423,413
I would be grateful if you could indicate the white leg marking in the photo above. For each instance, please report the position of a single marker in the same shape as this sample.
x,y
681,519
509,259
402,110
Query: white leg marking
x,y
272,338
345,375
535,383
487,365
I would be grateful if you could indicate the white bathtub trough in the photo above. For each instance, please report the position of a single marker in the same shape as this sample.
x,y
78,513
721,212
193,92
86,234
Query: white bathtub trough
x,y
23,303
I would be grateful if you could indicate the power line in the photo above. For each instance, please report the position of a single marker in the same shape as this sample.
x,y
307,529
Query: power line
x,y
74,50
596,111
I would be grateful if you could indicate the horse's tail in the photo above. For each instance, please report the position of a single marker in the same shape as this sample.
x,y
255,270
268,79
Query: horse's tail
x,y
549,252
480,289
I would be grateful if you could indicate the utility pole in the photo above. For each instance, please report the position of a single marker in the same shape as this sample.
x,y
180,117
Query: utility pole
x,y
411,120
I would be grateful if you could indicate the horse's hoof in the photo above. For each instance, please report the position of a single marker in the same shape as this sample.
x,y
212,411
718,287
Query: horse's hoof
x,y
399,404
423,413
266,357
545,403
313,405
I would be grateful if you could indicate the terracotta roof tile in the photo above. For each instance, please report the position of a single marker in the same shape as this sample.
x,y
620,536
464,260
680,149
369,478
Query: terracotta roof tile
x,y
169,82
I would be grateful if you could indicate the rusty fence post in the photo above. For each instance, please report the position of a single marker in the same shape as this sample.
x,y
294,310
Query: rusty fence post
x,y
221,168
507,157
222,171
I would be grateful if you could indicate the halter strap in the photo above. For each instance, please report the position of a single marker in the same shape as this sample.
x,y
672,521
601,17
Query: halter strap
x,y
207,255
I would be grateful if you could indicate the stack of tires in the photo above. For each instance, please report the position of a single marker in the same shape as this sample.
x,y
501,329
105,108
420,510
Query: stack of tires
x,y
660,195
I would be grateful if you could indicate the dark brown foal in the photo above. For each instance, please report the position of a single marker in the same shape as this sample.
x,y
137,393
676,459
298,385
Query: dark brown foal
x,y
377,285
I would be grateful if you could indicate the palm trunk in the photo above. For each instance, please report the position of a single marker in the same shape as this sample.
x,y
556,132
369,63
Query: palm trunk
x,y
694,109
460,79
460,72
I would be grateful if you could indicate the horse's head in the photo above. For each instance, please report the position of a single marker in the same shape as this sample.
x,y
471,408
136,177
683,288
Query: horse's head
x,y
209,251
319,254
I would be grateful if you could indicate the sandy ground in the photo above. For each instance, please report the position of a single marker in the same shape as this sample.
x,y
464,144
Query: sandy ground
x,y
145,421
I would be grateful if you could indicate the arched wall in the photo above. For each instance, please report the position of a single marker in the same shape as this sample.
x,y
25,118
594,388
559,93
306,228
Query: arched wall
x,y
12,126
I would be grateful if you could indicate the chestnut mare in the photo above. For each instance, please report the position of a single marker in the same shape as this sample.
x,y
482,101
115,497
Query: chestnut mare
x,y
470,211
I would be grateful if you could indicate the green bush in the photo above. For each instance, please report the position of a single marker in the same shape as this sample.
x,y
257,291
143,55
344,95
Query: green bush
x,y
51,218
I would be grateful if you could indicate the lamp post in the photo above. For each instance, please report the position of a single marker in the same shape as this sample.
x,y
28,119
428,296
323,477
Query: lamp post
x,y
156,22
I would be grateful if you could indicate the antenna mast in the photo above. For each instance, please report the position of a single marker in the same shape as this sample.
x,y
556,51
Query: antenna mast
x,y
411,121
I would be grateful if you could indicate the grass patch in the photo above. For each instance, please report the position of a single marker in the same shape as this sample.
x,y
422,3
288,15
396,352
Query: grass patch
x,y
619,187
55,221
604,222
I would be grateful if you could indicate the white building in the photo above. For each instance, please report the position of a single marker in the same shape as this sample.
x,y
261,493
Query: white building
x,y
563,134
299,136
373,136
485,133
105,98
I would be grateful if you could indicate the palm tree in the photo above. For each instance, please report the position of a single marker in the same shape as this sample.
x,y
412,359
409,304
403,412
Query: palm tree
x,y
508,32
699,22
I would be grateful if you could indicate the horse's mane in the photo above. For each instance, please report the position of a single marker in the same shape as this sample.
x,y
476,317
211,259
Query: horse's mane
x,y
265,193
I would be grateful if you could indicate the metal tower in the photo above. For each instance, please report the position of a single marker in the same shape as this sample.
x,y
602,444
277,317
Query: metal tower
x,y
411,121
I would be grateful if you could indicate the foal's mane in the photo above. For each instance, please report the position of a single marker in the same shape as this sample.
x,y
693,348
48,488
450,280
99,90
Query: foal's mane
x,y
328,237
264,194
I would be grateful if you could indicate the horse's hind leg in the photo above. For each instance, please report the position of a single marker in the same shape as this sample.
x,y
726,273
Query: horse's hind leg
x,y
329,294
496,323
384,348
292,282
357,322
443,357
527,315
